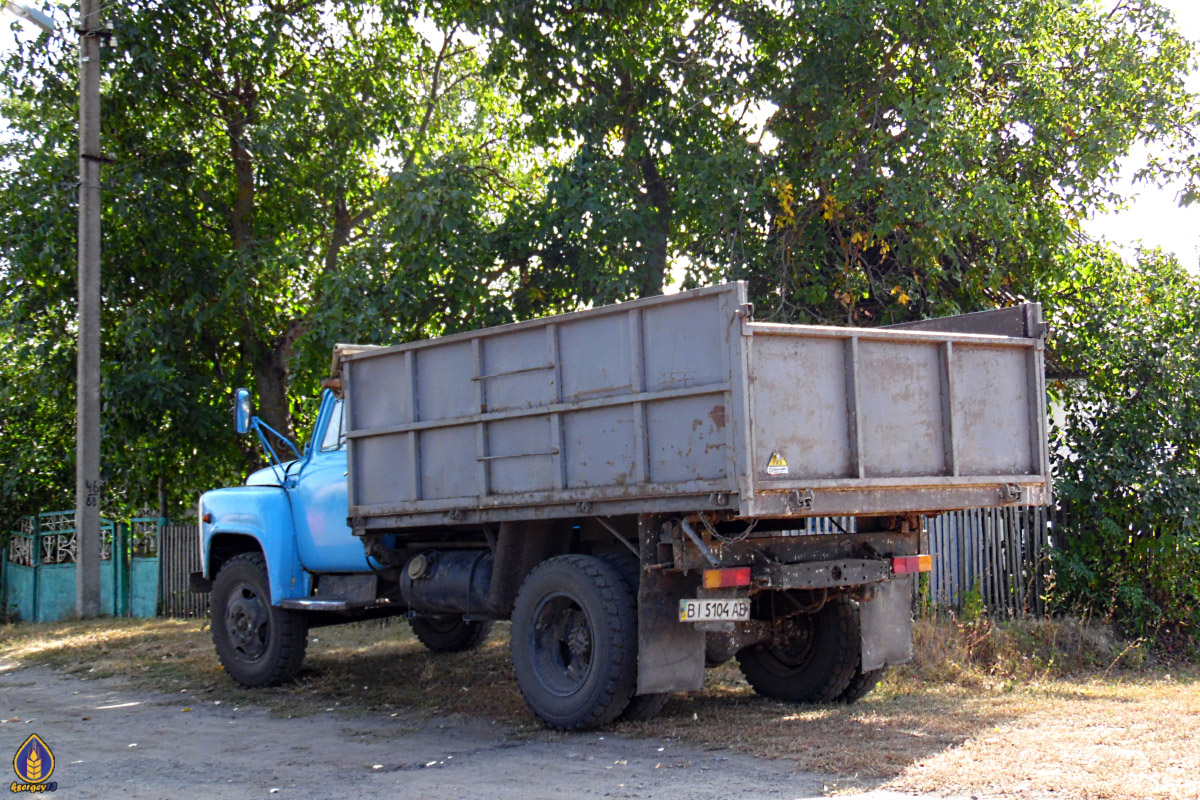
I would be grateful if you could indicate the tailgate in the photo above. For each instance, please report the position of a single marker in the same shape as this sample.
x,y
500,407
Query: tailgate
x,y
863,421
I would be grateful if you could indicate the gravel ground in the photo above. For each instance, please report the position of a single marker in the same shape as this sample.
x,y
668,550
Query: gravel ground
x,y
111,741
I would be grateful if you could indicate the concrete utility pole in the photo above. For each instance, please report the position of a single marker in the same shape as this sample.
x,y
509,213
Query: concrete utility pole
x,y
87,381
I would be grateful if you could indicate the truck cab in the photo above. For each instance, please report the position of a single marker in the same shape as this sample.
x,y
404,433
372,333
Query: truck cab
x,y
292,513
279,558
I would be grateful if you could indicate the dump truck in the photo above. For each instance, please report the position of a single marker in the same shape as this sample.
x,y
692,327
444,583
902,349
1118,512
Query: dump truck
x,y
632,486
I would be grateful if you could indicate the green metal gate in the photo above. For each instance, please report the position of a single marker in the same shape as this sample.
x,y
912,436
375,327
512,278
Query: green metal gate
x,y
37,583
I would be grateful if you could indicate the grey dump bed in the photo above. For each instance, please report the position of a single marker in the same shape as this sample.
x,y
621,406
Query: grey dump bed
x,y
684,403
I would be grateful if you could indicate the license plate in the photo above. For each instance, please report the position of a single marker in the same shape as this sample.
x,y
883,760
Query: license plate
x,y
713,610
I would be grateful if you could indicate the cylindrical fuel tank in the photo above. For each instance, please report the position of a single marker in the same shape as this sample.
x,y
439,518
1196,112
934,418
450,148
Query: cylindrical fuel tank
x,y
448,581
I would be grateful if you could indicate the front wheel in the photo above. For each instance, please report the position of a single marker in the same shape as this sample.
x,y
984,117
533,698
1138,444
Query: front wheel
x,y
813,658
574,642
449,634
258,644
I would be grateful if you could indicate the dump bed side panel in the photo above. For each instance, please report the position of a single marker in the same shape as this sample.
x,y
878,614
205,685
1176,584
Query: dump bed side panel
x,y
622,409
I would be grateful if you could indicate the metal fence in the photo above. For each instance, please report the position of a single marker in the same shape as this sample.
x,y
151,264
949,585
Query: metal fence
x,y
179,556
37,567
997,556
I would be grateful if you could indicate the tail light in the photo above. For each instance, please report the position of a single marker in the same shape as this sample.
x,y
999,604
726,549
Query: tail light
x,y
905,565
724,578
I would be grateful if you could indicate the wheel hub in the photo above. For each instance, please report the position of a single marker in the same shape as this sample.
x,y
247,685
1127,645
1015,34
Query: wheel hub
x,y
579,640
794,644
246,620
562,645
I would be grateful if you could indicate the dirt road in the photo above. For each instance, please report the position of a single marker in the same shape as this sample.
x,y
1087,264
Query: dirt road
x,y
111,741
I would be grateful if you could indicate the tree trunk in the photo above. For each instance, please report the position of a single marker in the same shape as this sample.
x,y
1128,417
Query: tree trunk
x,y
653,272
270,365
163,507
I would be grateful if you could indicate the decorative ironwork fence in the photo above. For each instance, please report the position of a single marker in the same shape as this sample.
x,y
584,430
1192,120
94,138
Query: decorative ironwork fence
x,y
37,567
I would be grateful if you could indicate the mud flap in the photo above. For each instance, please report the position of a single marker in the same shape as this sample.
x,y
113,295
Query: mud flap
x,y
670,652
886,622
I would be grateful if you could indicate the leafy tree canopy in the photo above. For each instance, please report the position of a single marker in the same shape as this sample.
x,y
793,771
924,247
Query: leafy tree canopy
x,y
1127,445
288,174
285,176
920,157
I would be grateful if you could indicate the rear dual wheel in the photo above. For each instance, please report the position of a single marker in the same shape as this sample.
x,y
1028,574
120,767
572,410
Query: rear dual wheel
x,y
574,642
449,634
813,660
641,706
861,684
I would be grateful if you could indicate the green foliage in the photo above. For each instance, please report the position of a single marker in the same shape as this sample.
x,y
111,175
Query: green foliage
x,y
973,606
284,177
934,157
919,158
652,168
1128,456
37,440
291,175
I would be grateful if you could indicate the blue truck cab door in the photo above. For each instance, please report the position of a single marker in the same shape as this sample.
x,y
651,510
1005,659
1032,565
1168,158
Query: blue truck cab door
x,y
319,507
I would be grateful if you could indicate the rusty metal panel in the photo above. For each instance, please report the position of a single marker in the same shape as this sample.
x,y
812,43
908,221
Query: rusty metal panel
x,y
670,652
991,419
686,438
685,343
886,624
521,455
622,408
879,421
823,574
800,408
445,383
901,411
600,447
518,370
395,390
393,473
684,403
595,357
448,464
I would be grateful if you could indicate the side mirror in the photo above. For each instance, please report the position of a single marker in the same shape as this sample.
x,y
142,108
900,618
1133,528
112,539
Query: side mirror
x,y
242,411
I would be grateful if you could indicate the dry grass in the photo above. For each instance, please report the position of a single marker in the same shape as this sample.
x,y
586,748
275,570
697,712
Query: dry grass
x,y
368,665
1061,709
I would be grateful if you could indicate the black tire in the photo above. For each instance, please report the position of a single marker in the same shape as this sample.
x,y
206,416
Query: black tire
x,y
641,707
449,634
258,644
861,684
574,642
626,565
816,662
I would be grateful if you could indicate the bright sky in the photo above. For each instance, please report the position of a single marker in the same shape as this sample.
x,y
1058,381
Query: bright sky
x,y
1152,216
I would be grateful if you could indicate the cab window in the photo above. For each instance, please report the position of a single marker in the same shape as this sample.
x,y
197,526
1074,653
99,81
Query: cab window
x,y
335,431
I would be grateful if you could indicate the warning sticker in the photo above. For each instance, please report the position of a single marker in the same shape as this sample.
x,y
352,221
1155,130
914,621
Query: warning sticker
x,y
777,465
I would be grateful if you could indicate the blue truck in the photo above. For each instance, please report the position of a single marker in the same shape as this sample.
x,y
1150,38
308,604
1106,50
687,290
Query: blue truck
x,y
630,486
